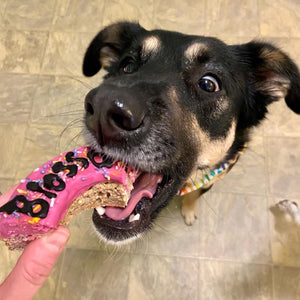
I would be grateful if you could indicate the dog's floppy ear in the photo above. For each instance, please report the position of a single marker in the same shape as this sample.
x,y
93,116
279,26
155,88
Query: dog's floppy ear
x,y
271,75
108,45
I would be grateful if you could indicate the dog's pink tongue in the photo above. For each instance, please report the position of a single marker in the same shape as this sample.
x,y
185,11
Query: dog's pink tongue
x,y
145,186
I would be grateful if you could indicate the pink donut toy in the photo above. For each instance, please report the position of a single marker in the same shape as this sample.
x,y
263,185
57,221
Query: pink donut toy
x,y
43,199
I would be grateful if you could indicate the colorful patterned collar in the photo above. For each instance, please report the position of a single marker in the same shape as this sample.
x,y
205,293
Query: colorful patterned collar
x,y
193,185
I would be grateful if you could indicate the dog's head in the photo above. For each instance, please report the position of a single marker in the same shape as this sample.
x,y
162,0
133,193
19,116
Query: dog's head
x,y
172,104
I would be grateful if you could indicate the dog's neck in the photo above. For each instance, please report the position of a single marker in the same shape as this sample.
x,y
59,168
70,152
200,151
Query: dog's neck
x,y
205,180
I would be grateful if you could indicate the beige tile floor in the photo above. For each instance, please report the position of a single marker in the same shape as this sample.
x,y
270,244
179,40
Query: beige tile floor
x,y
236,249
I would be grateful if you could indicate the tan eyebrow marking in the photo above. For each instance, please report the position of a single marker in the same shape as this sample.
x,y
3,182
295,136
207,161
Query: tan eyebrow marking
x,y
194,50
151,45
272,55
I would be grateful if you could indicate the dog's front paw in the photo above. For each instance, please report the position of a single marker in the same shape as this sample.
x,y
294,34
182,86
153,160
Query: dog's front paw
x,y
287,206
290,208
189,215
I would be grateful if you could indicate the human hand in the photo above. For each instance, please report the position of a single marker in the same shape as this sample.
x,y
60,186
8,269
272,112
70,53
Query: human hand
x,y
35,263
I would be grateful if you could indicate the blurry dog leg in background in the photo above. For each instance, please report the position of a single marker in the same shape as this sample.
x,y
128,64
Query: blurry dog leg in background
x,y
290,208
286,215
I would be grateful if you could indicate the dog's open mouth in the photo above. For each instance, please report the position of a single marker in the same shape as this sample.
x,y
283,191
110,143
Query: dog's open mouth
x,y
147,187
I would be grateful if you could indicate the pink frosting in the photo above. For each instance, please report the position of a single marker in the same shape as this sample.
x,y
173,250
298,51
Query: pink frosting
x,y
21,223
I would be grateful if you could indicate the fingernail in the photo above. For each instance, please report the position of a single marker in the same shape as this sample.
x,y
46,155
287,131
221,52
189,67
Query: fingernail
x,y
58,239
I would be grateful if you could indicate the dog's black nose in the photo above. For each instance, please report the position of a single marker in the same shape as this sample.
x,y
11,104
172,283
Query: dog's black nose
x,y
113,114
124,114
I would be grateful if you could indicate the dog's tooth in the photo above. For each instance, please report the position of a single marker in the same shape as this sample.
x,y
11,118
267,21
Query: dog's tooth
x,y
134,217
100,210
131,218
137,217
160,179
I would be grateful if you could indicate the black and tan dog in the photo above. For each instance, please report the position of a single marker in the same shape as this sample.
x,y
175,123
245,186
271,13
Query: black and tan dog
x,y
177,106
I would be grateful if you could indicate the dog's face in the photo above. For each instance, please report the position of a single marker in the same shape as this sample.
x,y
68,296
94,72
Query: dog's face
x,y
172,104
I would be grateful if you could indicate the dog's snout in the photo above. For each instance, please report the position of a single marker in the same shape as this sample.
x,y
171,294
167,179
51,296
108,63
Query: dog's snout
x,y
113,115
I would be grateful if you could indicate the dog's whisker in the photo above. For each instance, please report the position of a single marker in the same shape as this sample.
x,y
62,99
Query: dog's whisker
x,y
74,77
74,141
113,252
67,113
77,136
161,226
85,84
145,240
170,212
110,255
72,124
74,104
77,123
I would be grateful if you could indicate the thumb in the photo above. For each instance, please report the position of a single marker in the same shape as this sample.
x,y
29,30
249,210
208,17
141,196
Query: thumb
x,y
34,266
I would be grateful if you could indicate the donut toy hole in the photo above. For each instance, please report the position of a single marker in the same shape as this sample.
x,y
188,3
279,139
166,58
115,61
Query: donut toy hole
x,y
98,158
20,204
56,183
37,208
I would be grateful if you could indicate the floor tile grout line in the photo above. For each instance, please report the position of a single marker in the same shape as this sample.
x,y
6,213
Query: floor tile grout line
x,y
268,191
193,257
273,282
225,260
259,16
44,52
129,276
5,8
51,30
79,78
55,11
197,257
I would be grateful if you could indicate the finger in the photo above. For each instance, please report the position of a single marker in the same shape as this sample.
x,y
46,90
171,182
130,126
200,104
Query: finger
x,y
34,265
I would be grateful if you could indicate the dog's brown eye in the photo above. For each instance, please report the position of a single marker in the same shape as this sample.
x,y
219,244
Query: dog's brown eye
x,y
129,68
209,84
